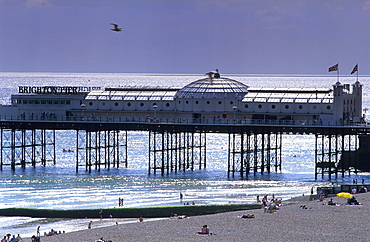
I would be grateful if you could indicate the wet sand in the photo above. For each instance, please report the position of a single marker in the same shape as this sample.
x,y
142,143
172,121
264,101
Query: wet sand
x,y
320,222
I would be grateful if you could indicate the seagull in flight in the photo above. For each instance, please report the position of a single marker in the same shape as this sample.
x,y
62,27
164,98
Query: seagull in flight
x,y
115,28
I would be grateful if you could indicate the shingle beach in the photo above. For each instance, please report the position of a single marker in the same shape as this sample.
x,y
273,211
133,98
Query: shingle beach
x,y
319,222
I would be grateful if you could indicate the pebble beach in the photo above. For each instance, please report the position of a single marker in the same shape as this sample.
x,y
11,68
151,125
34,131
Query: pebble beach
x,y
318,222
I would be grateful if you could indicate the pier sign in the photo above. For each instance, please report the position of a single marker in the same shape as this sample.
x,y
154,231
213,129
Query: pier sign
x,y
56,90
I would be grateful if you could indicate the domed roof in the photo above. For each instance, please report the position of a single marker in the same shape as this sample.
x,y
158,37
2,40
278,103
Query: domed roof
x,y
213,88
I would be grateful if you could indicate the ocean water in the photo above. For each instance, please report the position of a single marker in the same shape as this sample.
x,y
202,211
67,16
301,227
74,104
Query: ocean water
x,y
60,187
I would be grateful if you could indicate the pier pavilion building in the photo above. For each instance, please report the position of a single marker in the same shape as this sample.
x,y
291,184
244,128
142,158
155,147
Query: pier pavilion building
x,y
177,121
214,99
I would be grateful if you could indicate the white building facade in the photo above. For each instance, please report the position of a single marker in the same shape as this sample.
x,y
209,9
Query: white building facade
x,y
213,99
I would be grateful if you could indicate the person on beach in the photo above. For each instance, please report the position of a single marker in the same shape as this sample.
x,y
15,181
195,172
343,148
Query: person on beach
x,y
248,216
89,225
19,238
38,231
331,202
363,189
353,201
141,219
205,230
13,239
101,214
4,239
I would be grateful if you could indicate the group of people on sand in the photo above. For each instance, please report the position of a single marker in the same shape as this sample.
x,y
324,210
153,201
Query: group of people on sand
x,y
37,237
204,231
11,238
270,206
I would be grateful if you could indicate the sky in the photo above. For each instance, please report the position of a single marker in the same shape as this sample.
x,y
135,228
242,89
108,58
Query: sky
x,y
185,36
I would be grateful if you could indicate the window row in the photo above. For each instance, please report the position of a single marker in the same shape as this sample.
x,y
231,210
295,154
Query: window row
x,y
260,106
129,104
47,101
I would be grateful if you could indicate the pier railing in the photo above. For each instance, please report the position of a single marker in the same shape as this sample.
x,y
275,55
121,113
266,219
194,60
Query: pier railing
x,y
219,121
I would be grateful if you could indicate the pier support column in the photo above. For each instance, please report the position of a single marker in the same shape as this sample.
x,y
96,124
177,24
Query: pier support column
x,y
171,151
254,152
329,151
20,147
101,149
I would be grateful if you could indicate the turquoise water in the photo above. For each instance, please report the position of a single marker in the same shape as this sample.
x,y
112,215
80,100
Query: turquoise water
x,y
61,187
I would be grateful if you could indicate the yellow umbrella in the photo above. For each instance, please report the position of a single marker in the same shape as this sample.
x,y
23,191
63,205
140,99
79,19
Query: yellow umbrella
x,y
345,195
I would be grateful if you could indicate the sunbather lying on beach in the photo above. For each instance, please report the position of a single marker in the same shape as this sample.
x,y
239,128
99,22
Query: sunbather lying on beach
x,y
102,240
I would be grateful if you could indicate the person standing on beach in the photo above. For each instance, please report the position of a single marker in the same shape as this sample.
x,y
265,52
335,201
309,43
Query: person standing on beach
x,y
19,238
38,231
101,214
89,225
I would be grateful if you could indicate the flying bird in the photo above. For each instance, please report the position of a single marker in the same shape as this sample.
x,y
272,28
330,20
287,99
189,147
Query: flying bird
x,y
115,28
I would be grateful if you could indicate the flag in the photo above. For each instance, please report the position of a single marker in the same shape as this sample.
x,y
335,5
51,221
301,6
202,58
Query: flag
x,y
354,69
333,68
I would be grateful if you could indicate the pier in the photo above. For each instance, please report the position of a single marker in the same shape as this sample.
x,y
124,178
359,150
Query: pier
x,y
177,121
176,146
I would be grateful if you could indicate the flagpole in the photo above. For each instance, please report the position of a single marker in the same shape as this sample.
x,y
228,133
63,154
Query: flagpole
x,y
357,71
338,73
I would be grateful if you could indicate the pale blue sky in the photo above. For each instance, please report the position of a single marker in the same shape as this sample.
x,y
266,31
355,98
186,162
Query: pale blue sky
x,y
185,36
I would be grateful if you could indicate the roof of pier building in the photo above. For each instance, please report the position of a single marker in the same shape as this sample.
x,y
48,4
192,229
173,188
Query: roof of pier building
x,y
289,95
133,93
218,88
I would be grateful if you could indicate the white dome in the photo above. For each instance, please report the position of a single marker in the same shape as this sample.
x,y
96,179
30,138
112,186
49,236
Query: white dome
x,y
213,88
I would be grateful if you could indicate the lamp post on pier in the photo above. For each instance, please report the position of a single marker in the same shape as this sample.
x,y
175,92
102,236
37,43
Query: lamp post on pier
x,y
155,112
235,108
83,111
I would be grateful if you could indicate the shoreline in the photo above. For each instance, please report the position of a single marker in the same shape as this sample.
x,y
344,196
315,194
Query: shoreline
x,y
319,222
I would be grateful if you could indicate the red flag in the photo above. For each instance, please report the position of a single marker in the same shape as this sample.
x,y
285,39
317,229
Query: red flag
x,y
354,69
333,68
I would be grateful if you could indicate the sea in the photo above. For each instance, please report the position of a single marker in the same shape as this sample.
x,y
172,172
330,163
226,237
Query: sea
x,y
60,187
